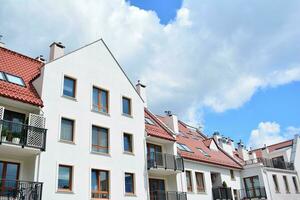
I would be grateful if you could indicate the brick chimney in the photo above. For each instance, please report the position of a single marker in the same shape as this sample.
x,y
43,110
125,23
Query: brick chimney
x,y
56,51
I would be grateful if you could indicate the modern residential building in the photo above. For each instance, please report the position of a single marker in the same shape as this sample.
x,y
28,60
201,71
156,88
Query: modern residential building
x,y
22,127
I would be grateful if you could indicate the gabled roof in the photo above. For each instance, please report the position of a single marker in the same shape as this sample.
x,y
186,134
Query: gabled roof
x,y
273,147
158,129
24,67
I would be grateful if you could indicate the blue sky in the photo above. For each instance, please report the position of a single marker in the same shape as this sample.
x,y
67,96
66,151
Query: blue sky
x,y
228,66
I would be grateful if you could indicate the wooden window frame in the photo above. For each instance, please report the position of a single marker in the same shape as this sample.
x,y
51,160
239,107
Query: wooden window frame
x,y
199,189
99,191
70,178
73,130
286,184
74,86
133,183
99,105
98,146
4,170
275,181
132,146
130,106
189,187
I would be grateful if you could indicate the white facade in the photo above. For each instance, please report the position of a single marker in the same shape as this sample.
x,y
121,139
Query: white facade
x,y
92,65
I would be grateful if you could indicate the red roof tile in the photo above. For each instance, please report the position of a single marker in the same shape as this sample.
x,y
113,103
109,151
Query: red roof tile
x,y
22,66
273,147
158,129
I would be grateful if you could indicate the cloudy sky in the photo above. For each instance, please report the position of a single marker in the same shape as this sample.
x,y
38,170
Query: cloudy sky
x,y
228,66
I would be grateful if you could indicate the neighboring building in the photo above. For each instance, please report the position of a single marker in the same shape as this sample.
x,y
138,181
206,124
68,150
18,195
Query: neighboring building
x,y
22,126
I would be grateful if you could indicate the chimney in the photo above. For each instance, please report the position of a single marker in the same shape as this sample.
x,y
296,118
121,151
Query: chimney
x,y
172,121
141,89
56,51
41,58
243,151
2,44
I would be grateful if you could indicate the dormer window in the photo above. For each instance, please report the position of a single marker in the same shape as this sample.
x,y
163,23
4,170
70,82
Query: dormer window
x,y
12,79
183,147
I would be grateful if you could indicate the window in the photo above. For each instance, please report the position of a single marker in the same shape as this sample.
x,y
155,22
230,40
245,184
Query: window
x,y
65,177
128,147
126,102
129,183
275,183
67,130
69,87
203,152
149,121
100,139
100,100
286,184
14,79
2,76
183,147
100,184
200,182
232,174
295,184
189,185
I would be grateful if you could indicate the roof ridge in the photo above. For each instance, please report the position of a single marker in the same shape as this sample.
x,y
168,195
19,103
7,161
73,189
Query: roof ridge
x,y
272,145
19,54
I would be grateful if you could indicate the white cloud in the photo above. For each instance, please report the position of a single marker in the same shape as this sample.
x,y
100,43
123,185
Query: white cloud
x,y
270,133
214,54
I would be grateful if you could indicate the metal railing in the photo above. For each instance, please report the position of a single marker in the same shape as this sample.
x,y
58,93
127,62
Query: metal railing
x,y
166,161
271,163
20,190
166,195
222,193
253,193
22,135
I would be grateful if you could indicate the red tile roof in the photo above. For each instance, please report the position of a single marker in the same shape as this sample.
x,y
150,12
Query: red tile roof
x,y
158,129
195,139
22,66
273,147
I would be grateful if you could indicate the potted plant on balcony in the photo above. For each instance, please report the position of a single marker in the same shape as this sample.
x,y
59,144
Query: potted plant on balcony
x,y
16,138
224,184
4,134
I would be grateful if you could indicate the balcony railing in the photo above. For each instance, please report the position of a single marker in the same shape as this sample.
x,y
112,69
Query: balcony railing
x,y
271,163
253,193
222,193
166,161
165,195
20,190
22,135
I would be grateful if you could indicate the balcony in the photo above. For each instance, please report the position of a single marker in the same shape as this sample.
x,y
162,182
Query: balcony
x,y
22,135
13,190
222,193
164,161
271,163
165,195
253,193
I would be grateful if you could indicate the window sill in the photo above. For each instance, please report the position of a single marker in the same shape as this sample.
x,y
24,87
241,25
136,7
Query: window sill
x,y
127,115
70,98
128,153
204,192
101,154
130,195
100,112
67,142
65,191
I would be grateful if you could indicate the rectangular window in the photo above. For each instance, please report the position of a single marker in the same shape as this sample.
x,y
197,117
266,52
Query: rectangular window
x,y
126,102
100,184
69,87
189,184
14,79
129,183
295,184
149,121
67,130
128,146
286,184
203,152
65,174
275,183
100,139
2,76
232,174
100,100
200,182
183,147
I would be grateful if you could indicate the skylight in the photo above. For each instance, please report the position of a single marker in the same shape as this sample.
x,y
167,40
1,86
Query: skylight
x,y
149,121
14,79
203,152
2,76
183,147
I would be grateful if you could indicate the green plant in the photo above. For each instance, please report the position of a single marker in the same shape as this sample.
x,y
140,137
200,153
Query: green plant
x,y
224,184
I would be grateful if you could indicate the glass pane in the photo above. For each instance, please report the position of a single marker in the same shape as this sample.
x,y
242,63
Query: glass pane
x,y
104,101
1,76
127,143
95,98
1,170
94,181
69,87
99,139
64,177
126,106
66,130
129,183
104,181
15,79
